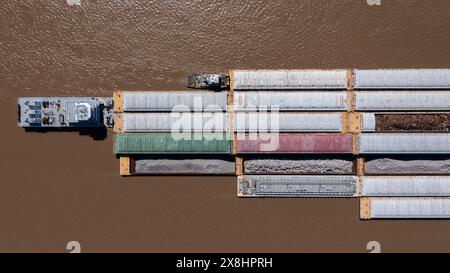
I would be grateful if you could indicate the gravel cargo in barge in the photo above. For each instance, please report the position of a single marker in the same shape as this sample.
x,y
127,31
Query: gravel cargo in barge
x,y
295,164
177,165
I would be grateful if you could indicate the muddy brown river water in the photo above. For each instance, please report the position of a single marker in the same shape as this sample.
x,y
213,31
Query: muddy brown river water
x,y
61,187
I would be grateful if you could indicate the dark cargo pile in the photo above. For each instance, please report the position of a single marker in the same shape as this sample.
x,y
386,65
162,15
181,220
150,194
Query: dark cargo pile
x,y
412,122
